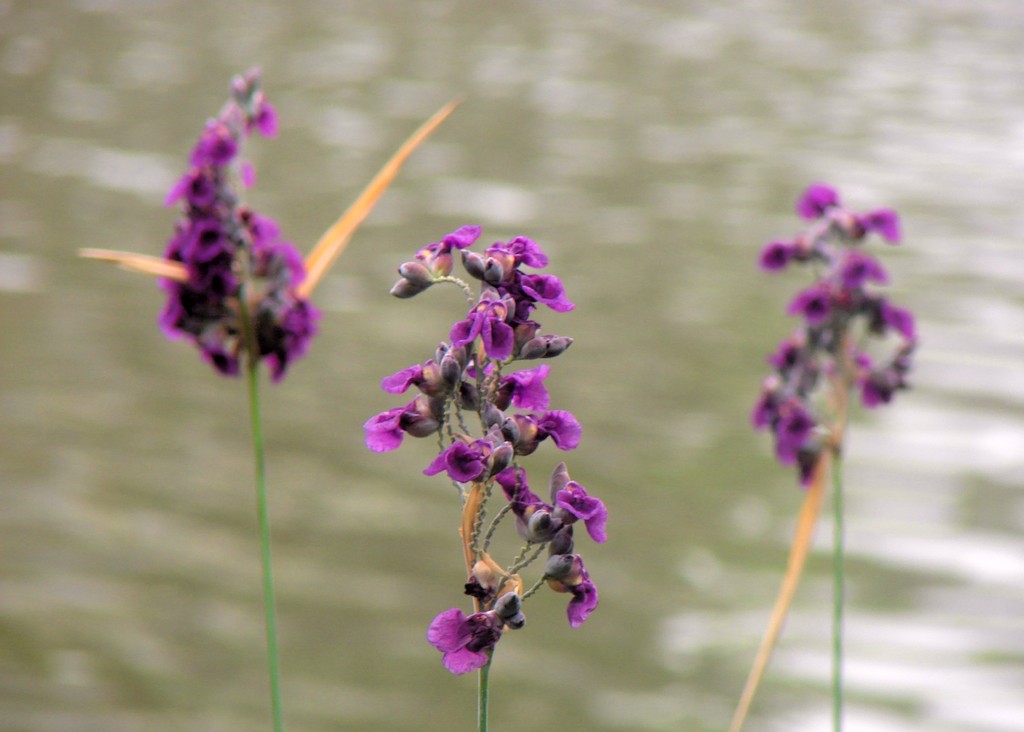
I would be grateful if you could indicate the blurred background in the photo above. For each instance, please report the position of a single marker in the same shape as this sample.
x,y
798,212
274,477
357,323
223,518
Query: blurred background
x,y
651,148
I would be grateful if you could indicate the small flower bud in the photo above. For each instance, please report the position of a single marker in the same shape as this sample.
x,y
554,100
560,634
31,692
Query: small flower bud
x,y
473,263
508,605
404,289
562,543
516,622
416,273
501,458
493,272
542,526
559,566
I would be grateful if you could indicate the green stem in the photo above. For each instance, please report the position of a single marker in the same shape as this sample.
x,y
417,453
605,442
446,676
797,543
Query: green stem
x,y
837,596
484,693
262,511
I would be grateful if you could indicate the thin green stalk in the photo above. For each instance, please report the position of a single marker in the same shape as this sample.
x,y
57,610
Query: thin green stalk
x,y
837,596
262,511
483,694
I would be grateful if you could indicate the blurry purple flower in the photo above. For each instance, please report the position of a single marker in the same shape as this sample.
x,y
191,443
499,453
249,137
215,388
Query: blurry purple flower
x,y
793,429
885,222
776,255
900,319
858,268
817,199
813,303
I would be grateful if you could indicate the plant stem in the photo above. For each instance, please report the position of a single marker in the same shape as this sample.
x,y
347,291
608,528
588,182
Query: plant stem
x,y
262,510
837,596
484,694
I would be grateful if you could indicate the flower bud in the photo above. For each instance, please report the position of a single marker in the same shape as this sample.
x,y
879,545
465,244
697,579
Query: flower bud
x,y
473,263
404,289
562,543
416,273
559,566
542,526
516,622
501,458
508,605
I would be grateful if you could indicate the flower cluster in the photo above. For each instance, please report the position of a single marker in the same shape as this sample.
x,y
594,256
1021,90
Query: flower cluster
x,y
828,355
228,248
467,380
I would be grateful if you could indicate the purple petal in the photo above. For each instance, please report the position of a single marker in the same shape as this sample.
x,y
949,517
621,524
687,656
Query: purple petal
x,y
526,251
463,237
382,431
584,600
900,319
587,508
528,390
547,289
399,381
449,630
463,660
498,338
563,428
266,119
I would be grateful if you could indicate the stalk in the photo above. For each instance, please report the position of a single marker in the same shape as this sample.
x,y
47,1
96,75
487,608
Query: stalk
x,y
837,596
262,511
483,694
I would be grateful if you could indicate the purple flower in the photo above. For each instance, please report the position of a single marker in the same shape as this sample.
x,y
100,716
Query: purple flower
x,y
400,381
574,500
383,431
463,462
816,200
217,146
486,320
885,222
546,289
567,573
527,387
437,257
776,255
813,303
793,429
561,427
858,268
900,319
465,641
521,251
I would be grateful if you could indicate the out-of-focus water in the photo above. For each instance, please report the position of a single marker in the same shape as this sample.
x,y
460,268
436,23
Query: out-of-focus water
x,y
651,148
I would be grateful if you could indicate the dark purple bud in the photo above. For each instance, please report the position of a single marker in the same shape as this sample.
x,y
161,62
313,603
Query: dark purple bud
x,y
562,543
451,370
501,458
776,255
510,429
516,622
